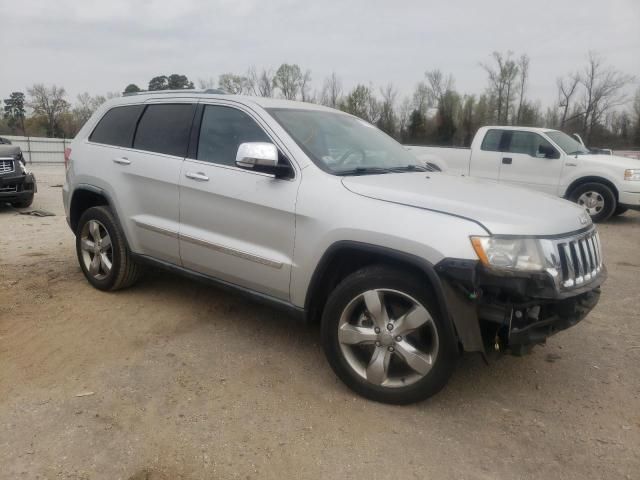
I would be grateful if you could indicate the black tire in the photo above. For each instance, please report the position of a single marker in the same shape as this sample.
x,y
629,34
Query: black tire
x,y
610,203
23,203
386,278
620,210
124,271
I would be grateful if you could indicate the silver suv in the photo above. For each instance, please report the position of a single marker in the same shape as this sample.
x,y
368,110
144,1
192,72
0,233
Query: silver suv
x,y
321,214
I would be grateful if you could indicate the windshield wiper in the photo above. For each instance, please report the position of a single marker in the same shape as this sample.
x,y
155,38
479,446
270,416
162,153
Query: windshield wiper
x,y
578,152
364,171
409,168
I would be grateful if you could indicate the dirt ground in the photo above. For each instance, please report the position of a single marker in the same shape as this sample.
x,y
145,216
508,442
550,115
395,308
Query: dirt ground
x,y
177,380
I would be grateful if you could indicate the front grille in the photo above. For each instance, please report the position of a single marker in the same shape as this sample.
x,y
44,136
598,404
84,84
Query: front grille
x,y
580,259
6,166
9,189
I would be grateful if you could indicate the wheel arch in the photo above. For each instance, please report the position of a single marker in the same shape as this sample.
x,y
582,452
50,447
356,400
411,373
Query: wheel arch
x,y
345,257
83,198
591,179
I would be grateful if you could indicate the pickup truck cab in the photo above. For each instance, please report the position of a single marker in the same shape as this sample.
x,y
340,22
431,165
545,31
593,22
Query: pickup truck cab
x,y
546,160
319,213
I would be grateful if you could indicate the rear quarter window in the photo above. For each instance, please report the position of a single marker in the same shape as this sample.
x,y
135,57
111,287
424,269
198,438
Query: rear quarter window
x,y
165,128
116,127
491,141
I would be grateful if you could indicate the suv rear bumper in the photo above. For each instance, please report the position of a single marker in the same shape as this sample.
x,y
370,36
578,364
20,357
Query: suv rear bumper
x,y
511,312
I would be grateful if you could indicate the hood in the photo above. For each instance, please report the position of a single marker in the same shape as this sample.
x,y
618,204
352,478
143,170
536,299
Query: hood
x,y
500,209
613,160
9,150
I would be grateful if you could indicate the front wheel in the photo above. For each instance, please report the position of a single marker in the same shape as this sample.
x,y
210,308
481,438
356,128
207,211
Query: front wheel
x,y
384,337
24,203
597,199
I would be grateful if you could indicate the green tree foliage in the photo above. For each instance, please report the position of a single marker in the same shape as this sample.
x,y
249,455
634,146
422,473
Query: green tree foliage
x,y
161,82
14,112
131,88
288,79
362,103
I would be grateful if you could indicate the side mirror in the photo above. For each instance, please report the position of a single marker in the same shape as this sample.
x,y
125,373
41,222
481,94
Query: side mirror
x,y
259,156
547,152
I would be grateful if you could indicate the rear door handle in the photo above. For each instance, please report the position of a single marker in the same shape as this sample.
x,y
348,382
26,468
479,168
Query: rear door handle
x,y
122,161
199,176
507,161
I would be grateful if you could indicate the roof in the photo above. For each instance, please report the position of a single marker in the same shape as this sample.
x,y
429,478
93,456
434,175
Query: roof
x,y
209,94
520,129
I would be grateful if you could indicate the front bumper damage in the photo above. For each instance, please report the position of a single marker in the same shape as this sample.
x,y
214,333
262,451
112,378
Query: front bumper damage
x,y
17,186
511,311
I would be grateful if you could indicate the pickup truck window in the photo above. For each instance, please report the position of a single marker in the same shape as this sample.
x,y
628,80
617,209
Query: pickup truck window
x,y
491,141
568,145
223,130
164,128
341,144
530,143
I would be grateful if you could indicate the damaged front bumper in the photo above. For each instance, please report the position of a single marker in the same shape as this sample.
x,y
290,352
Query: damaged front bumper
x,y
512,311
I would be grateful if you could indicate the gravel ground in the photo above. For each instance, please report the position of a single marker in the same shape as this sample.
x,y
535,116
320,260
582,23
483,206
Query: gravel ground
x,y
177,380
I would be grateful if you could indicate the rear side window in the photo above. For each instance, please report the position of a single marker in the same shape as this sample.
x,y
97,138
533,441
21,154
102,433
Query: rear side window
x,y
117,126
491,141
223,130
164,128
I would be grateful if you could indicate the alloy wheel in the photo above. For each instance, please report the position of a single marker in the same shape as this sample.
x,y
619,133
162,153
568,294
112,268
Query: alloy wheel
x,y
593,202
96,249
388,338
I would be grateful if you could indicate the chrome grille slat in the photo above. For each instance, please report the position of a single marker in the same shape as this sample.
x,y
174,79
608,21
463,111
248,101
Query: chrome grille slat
x,y
580,258
6,166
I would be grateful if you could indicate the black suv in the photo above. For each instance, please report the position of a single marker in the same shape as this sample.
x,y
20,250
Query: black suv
x,y
17,184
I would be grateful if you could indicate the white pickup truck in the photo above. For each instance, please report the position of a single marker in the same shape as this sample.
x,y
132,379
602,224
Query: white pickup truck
x,y
545,160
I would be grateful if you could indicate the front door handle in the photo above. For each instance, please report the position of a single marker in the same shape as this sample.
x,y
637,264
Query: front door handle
x,y
507,161
199,176
122,161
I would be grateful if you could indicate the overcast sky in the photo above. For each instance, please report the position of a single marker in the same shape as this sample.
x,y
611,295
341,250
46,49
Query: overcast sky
x,y
101,46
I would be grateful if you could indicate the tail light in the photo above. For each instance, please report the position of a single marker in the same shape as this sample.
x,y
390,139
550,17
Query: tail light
x,y
67,157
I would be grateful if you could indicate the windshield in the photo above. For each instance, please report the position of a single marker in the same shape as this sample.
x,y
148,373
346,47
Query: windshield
x,y
569,145
342,144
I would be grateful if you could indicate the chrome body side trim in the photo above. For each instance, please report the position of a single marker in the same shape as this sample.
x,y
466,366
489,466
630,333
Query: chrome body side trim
x,y
231,251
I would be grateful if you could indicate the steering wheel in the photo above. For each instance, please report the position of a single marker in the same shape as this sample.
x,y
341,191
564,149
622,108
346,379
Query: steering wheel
x,y
343,159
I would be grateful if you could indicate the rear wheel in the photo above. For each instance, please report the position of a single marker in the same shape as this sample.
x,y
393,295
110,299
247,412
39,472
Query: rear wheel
x,y
102,251
384,338
597,199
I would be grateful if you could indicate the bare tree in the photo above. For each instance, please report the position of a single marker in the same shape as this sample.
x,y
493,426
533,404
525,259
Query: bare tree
x,y
205,83
523,65
566,90
331,91
603,90
234,84
438,85
85,106
421,98
305,81
388,121
48,102
260,84
404,113
501,79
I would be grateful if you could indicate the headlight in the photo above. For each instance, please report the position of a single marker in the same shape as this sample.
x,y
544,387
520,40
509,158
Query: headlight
x,y
503,253
632,174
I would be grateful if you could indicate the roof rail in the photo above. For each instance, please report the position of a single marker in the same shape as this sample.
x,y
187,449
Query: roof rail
x,y
210,91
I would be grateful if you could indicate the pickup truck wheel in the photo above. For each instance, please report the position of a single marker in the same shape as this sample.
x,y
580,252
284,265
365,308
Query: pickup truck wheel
x,y
597,199
102,251
384,338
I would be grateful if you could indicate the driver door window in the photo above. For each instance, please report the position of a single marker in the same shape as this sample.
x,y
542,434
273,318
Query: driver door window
x,y
532,144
